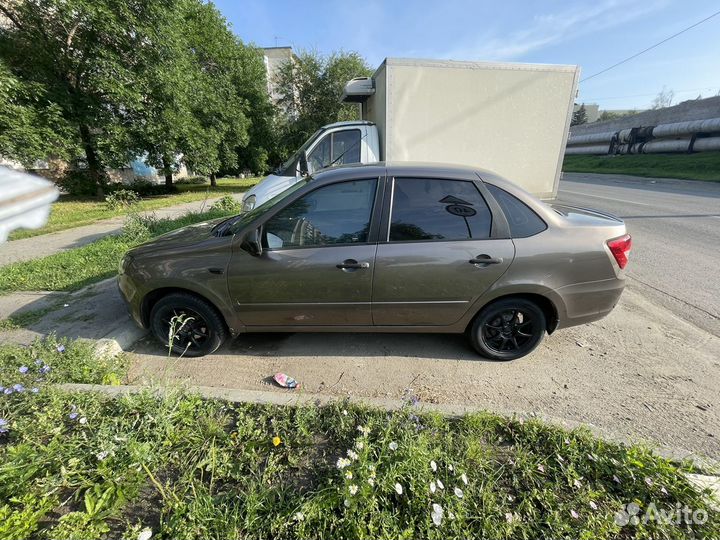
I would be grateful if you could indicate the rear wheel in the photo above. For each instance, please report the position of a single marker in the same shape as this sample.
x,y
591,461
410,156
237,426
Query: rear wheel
x,y
192,325
508,329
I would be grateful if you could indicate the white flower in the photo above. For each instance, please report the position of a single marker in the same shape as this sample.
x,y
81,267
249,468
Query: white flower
x,y
509,517
451,468
145,534
353,489
433,487
436,514
83,420
458,493
433,465
464,478
346,502
371,481
342,462
352,455
344,412
440,484
102,455
348,475
299,516
359,445
511,498
451,515
398,488
577,483
593,505
393,446
364,430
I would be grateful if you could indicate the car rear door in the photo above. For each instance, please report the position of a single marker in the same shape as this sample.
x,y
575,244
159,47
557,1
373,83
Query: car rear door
x,y
317,263
439,251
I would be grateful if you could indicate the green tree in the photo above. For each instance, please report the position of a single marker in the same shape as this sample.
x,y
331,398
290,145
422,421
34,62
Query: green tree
x,y
310,89
81,60
579,116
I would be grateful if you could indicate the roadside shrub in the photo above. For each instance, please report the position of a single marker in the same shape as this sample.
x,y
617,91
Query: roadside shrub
x,y
122,198
226,204
145,188
192,181
77,182
138,229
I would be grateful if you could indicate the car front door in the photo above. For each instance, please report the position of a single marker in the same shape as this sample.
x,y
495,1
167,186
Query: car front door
x,y
317,263
437,255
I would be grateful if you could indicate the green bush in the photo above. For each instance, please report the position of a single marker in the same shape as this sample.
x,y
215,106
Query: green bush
x,y
122,198
193,181
227,204
145,188
78,182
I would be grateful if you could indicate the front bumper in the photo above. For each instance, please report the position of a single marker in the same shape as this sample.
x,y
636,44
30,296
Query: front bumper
x,y
129,292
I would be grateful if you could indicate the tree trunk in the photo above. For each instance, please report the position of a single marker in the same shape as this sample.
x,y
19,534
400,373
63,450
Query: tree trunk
x,y
213,180
95,167
167,170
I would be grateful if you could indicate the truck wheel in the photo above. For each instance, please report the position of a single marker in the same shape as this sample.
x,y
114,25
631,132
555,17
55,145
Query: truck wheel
x,y
194,325
508,329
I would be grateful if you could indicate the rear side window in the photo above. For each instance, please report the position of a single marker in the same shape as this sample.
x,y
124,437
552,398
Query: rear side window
x,y
522,219
429,209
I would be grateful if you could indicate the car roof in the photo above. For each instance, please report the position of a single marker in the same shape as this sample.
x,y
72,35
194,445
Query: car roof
x,y
348,123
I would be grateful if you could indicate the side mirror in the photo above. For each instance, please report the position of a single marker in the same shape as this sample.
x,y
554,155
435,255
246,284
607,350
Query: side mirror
x,y
252,243
303,164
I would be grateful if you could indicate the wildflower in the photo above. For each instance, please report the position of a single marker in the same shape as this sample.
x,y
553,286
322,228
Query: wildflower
x,y
352,455
45,369
60,348
348,475
616,479
440,484
463,477
437,514
276,440
299,516
574,514
145,534
451,515
73,415
18,388
38,362
83,420
364,430
342,462
3,424
7,391
34,389
509,517
433,487
541,467
648,481
398,488
663,490
593,505
458,493
567,441
451,468
577,483
371,481
102,455
511,498
393,446
346,502
433,465
345,413
23,369
353,489
359,445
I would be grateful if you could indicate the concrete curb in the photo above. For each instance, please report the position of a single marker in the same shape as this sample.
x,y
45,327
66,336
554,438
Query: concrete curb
x,y
296,398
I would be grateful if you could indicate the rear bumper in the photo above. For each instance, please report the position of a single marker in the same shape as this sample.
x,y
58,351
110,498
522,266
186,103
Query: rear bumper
x,y
589,301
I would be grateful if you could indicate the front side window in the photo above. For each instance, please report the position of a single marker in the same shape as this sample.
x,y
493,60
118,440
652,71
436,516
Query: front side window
x,y
320,155
429,209
346,147
330,215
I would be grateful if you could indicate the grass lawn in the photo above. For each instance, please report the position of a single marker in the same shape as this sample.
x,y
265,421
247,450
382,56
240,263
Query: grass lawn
x,y
81,465
73,269
69,212
700,166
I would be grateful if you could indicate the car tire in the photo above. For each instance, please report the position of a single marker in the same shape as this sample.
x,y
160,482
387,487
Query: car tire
x,y
508,329
199,328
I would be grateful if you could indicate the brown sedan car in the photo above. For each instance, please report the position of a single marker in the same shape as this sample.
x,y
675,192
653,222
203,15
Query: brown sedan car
x,y
383,248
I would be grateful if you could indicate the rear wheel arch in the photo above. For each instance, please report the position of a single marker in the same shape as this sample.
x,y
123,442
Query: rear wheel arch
x,y
547,306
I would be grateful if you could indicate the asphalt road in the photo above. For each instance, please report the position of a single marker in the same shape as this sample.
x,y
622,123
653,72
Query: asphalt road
x,y
675,225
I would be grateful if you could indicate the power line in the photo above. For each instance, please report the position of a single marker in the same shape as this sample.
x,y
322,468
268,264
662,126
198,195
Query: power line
x,y
651,47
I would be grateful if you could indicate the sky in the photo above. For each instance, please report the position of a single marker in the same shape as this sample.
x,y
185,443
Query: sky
x,y
593,34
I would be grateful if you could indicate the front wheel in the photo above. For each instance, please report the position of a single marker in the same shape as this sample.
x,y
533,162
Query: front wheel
x,y
508,329
188,324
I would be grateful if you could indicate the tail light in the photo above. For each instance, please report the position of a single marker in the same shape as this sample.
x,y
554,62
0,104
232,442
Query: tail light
x,y
620,248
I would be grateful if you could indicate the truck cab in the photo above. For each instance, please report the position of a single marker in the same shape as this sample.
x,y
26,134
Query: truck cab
x,y
332,145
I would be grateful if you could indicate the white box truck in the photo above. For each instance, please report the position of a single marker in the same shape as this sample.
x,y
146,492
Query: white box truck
x,y
510,118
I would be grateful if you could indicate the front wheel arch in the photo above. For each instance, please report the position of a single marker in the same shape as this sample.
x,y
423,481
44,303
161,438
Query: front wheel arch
x,y
152,298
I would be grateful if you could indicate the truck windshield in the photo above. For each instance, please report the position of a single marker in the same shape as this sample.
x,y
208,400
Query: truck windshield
x,y
235,224
288,168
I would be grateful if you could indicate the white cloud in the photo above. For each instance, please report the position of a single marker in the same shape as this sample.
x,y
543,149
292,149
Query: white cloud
x,y
553,28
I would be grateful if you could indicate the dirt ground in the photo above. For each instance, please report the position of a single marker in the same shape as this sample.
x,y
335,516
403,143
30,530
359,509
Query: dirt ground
x,y
641,374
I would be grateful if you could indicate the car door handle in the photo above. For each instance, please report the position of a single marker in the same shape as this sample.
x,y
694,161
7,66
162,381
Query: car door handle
x,y
486,259
352,264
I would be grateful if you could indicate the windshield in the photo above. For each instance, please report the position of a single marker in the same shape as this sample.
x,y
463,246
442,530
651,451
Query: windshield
x,y
237,223
282,170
